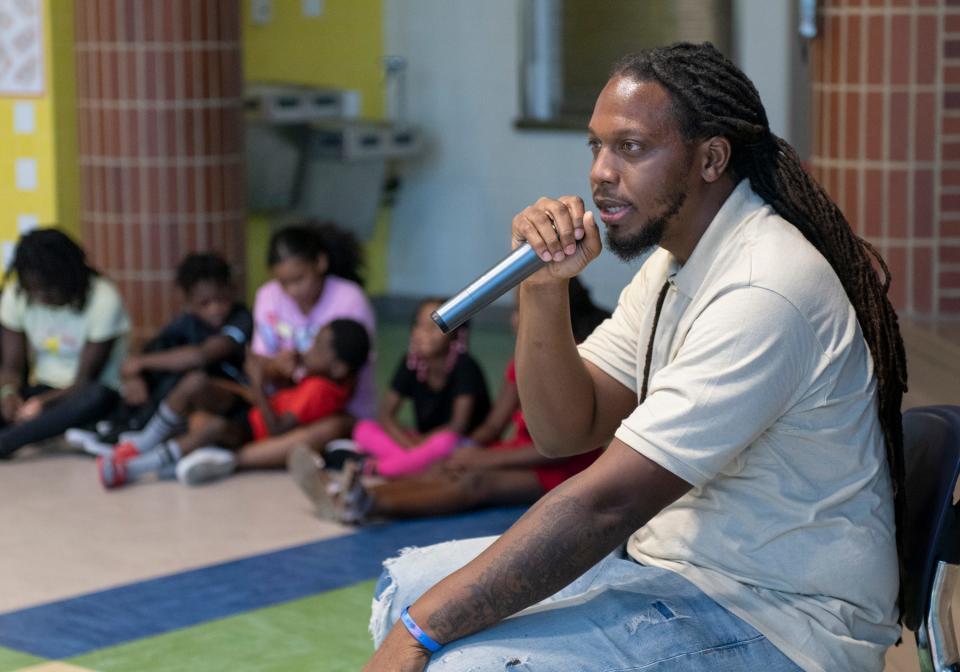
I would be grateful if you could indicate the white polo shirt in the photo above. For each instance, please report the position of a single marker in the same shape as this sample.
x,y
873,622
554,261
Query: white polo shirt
x,y
762,397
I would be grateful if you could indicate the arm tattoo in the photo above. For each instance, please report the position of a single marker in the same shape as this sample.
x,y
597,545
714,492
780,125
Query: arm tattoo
x,y
564,538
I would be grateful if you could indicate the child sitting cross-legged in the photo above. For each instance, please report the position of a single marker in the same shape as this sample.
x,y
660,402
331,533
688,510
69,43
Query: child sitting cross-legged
x,y
210,334
449,396
64,333
229,424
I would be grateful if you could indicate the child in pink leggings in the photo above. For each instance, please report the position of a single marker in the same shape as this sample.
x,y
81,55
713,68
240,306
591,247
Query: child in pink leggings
x,y
449,398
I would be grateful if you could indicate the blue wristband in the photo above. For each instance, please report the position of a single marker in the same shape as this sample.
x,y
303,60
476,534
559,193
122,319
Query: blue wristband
x,y
417,633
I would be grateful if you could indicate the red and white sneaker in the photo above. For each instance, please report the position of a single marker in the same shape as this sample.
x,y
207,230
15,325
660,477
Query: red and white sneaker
x,y
125,450
113,468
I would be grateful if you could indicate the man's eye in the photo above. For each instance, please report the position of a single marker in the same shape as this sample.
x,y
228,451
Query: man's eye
x,y
630,146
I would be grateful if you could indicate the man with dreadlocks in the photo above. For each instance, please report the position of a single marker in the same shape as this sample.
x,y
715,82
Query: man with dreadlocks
x,y
751,377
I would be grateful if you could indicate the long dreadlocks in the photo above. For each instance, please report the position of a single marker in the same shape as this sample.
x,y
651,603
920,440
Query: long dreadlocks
x,y
712,97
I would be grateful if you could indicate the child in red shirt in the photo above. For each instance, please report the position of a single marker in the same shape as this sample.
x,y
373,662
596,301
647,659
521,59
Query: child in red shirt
x,y
224,416
313,398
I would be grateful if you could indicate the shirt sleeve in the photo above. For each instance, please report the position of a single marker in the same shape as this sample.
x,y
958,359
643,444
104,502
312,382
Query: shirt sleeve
x,y
239,326
107,318
365,315
12,307
404,380
317,398
748,357
364,403
265,339
354,305
612,346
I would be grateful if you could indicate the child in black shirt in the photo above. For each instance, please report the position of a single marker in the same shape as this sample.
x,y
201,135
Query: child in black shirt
x,y
449,395
210,335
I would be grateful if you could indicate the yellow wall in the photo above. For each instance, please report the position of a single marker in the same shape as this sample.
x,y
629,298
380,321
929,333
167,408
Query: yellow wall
x,y
64,73
342,48
52,144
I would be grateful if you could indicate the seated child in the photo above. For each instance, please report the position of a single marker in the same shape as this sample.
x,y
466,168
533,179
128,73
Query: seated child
x,y
316,274
225,415
64,338
490,472
315,279
449,396
211,334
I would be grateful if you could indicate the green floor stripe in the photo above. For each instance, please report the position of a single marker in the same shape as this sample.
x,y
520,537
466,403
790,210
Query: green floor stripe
x,y
324,632
13,660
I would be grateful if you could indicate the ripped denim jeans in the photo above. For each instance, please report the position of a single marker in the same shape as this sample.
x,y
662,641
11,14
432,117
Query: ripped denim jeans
x,y
620,615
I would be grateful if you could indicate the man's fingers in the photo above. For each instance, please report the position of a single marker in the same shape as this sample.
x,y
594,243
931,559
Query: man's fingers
x,y
563,226
591,243
575,206
532,227
551,226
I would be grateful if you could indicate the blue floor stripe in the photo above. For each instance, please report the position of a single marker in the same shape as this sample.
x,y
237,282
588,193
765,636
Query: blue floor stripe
x,y
109,617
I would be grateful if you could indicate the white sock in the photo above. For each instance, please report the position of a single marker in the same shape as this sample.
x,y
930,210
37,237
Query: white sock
x,y
164,424
153,460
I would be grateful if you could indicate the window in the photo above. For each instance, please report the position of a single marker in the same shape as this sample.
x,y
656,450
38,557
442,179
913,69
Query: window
x,y
570,46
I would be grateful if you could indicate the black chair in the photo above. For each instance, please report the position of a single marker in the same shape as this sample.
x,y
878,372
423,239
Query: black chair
x,y
932,533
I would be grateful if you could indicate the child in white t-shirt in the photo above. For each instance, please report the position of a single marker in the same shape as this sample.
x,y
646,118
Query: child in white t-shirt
x,y
64,339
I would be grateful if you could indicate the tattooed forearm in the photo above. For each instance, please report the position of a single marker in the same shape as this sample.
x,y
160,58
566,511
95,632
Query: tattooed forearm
x,y
555,542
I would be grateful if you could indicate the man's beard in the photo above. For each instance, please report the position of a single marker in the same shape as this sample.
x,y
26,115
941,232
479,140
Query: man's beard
x,y
628,248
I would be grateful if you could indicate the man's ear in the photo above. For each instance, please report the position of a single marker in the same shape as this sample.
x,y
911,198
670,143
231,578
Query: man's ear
x,y
715,153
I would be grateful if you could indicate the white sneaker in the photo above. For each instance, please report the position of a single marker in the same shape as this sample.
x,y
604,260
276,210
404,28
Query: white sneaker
x,y
340,451
206,464
76,437
89,441
343,444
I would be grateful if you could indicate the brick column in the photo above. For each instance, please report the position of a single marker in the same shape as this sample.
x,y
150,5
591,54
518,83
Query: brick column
x,y
886,137
160,115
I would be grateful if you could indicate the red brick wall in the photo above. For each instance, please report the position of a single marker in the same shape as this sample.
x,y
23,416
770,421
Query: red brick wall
x,y
159,106
886,137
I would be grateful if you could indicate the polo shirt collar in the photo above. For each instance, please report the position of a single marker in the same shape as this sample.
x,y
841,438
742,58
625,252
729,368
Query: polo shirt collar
x,y
688,277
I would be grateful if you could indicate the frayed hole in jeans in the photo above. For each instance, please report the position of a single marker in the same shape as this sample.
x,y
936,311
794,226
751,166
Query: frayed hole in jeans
x,y
657,613
383,595
666,611
380,607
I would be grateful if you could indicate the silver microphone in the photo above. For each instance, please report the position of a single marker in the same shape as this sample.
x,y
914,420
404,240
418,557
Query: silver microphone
x,y
514,269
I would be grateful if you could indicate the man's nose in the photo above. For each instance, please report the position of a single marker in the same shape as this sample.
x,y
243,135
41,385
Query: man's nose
x,y
603,170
